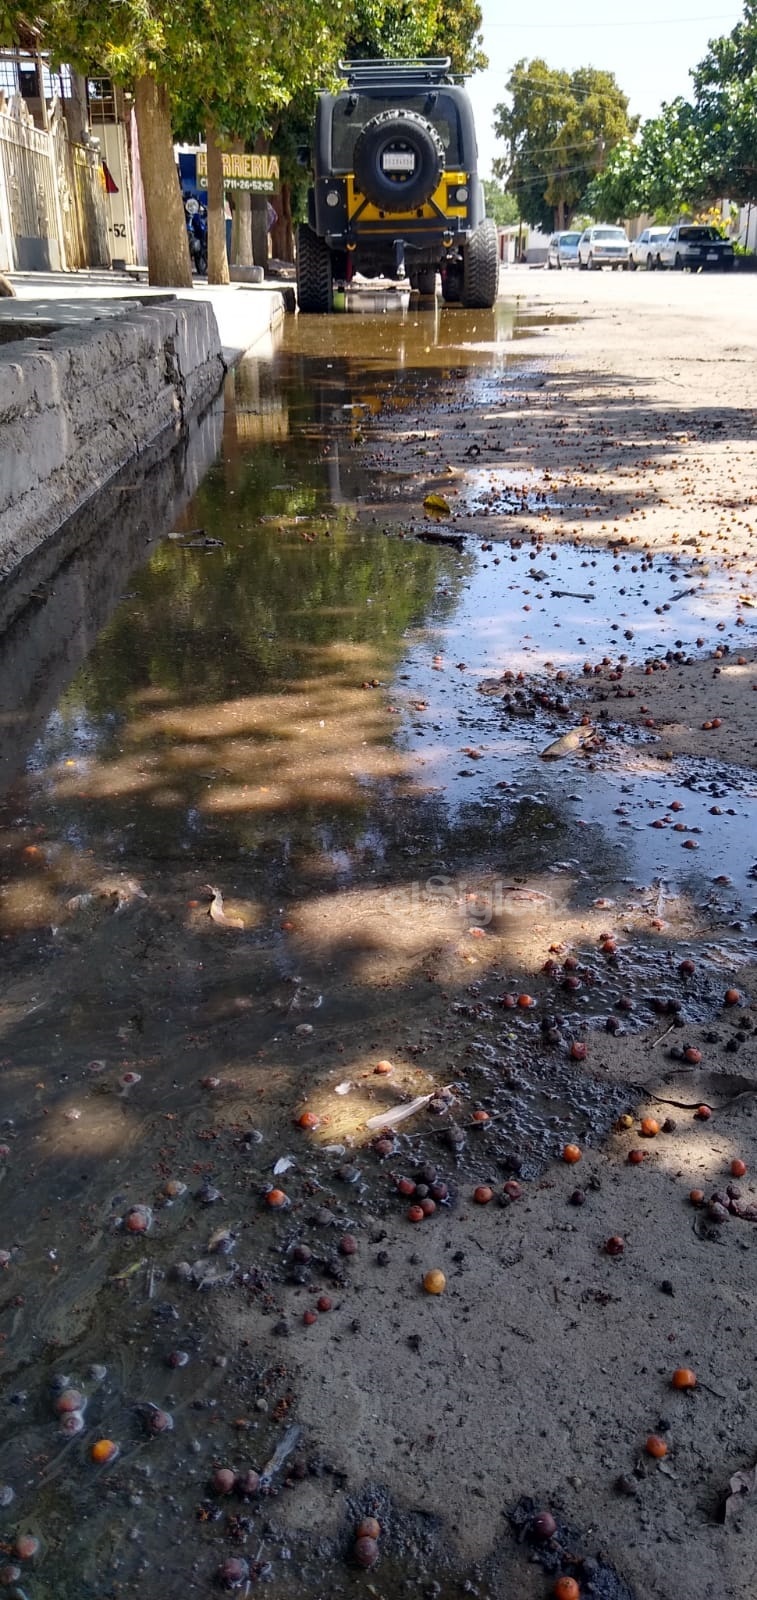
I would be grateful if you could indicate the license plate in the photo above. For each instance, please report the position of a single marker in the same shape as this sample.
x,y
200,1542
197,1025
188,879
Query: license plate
x,y
712,255
398,161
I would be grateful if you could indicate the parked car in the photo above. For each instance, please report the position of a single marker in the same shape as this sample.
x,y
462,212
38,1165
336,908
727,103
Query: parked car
x,y
562,250
696,246
644,249
603,247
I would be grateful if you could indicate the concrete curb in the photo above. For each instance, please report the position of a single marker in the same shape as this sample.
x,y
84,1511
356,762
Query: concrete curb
x,y
77,405
79,402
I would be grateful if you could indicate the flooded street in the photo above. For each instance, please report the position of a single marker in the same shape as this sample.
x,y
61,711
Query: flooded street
x,y
278,836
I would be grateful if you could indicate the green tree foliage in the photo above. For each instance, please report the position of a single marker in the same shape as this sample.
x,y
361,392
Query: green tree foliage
x,y
559,129
694,151
725,101
660,173
503,208
418,28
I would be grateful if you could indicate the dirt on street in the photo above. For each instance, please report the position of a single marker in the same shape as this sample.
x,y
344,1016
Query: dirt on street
x,y
382,901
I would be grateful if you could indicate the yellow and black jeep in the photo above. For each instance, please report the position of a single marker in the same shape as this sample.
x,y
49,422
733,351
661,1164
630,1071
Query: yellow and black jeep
x,y
396,191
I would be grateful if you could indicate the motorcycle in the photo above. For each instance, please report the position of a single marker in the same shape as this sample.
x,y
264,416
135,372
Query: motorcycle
x,y
197,234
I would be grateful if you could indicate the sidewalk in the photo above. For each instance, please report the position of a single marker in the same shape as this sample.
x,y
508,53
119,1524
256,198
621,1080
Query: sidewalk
x,y
246,314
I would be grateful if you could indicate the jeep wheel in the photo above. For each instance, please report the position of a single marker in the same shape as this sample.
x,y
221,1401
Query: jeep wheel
x,y
398,160
314,271
481,267
426,281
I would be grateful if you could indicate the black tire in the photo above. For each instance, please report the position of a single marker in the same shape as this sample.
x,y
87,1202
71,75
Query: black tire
x,y
632,264
427,281
452,284
407,132
651,262
590,262
581,265
201,264
481,267
678,263
315,279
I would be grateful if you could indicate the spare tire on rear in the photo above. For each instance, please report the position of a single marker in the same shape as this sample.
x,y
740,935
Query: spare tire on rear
x,y
399,160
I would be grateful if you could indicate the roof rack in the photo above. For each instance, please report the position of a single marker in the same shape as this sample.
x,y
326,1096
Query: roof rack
x,y
397,70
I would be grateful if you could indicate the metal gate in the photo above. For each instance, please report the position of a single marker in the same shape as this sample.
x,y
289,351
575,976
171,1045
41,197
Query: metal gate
x,y
81,192
28,178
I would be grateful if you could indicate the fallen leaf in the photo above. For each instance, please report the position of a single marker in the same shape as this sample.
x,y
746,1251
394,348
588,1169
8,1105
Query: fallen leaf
x,y
740,1485
437,505
216,911
567,744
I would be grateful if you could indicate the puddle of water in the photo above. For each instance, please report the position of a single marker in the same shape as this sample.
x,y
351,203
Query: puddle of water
x,y
263,715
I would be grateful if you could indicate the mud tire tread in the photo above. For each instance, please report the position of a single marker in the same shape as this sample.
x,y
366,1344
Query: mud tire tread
x,y
481,268
315,293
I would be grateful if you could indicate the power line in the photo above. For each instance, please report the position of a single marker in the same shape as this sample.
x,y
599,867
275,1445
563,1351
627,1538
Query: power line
x,y
633,22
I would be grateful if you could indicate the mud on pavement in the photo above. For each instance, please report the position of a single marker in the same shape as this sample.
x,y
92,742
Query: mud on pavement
x,y
378,940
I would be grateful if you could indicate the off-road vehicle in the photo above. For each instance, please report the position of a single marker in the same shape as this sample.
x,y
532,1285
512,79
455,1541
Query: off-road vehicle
x,y
396,191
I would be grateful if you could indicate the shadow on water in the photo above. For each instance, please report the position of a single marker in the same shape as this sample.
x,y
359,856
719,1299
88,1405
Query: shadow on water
x,y
249,706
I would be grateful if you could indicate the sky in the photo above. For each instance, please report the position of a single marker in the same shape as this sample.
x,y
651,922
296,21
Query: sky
x,y
649,46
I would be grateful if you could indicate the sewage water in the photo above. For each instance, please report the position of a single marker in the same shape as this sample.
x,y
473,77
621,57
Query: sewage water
x,y
262,826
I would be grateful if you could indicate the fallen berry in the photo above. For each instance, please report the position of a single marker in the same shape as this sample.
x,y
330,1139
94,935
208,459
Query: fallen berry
x,y
684,1378
566,1589
366,1552
543,1526
369,1528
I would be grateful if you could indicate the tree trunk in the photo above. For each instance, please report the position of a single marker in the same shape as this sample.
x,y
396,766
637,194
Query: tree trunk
x,y
77,110
241,228
242,235
560,216
167,247
260,229
286,200
218,261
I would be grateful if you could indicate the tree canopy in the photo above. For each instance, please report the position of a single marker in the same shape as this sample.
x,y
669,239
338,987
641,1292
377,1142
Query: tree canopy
x,y
501,207
559,129
418,28
694,151
229,71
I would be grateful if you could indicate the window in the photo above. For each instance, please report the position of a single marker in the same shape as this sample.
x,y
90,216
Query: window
x,y
352,112
698,235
